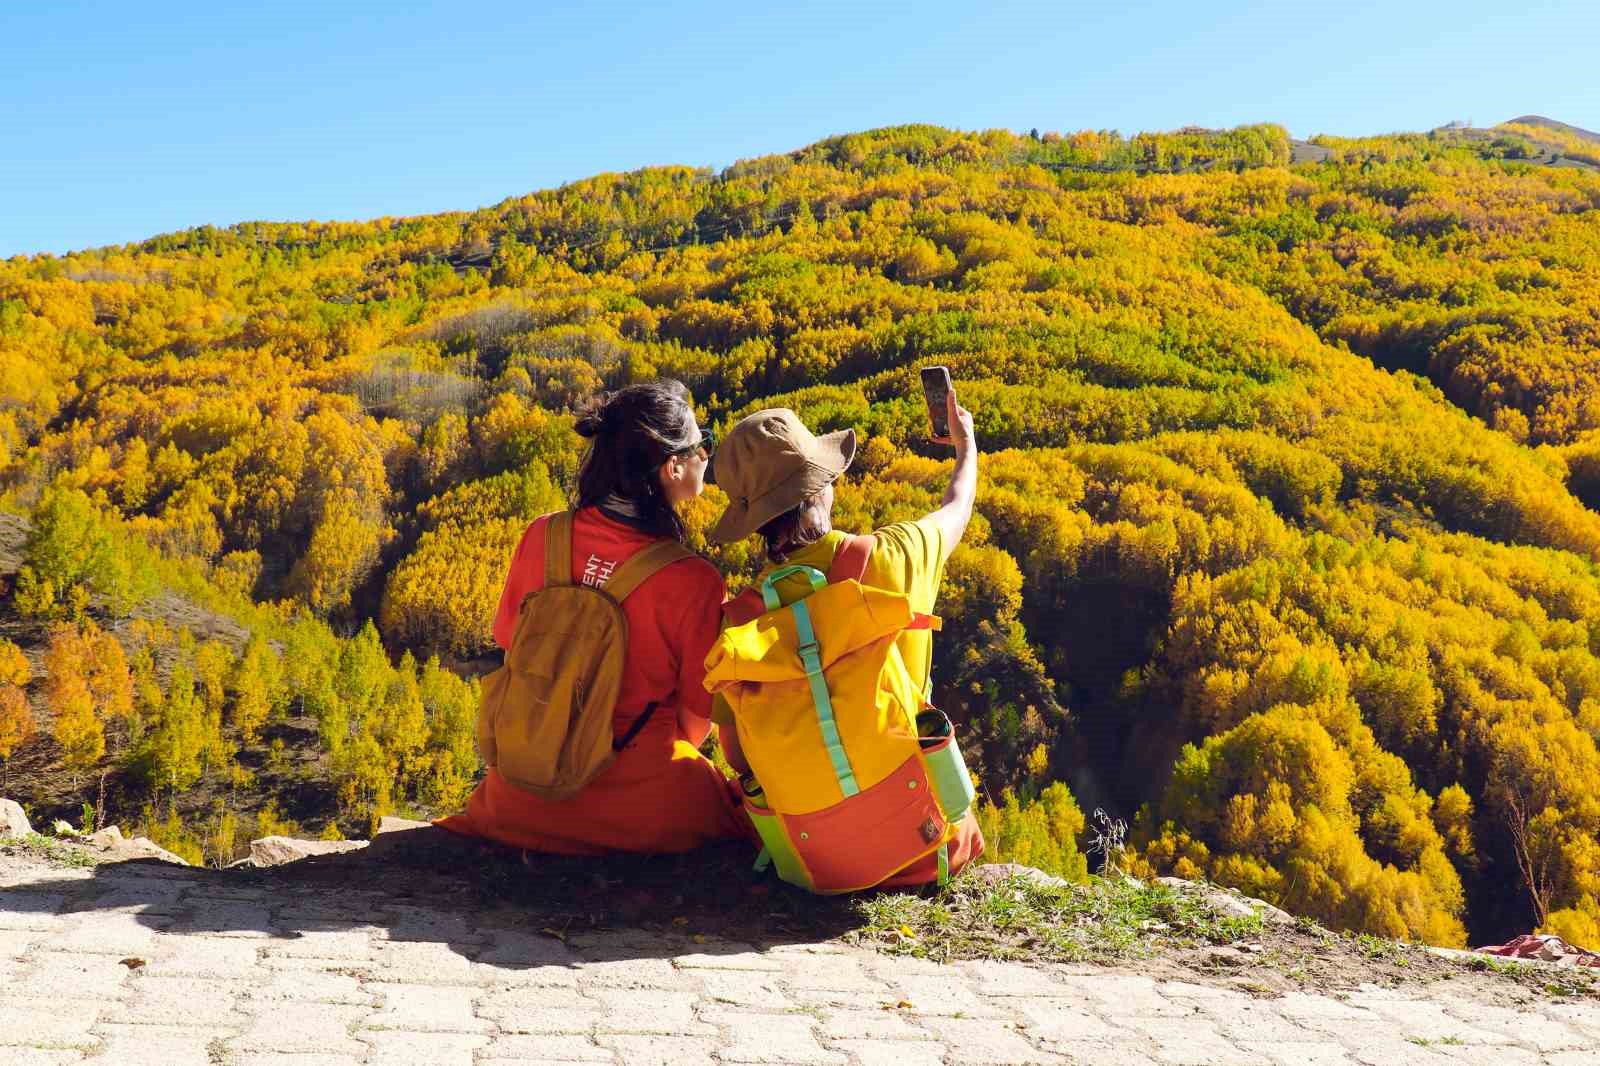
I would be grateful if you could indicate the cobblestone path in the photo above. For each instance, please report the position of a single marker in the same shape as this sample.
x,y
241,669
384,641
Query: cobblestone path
x,y
140,963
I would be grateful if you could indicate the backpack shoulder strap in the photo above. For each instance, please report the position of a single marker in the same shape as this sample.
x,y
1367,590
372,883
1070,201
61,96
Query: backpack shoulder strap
x,y
644,564
850,561
558,550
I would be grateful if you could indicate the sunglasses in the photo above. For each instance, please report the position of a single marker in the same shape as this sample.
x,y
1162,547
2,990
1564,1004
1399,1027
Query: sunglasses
x,y
707,444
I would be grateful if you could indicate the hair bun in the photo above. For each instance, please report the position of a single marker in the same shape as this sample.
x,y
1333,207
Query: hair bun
x,y
594,419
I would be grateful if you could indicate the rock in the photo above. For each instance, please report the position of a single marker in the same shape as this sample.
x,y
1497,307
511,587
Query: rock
x,y
995,872
109,837
276,851
13,819
145,848
1228,902
390,824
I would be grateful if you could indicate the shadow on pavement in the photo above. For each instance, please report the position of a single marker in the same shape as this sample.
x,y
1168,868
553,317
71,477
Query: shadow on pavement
x,y
485,902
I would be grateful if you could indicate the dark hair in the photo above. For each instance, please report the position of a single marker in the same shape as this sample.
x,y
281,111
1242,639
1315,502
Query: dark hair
x,y
791,530
631,432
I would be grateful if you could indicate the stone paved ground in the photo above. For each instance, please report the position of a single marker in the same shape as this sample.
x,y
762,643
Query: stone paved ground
x,y
146,963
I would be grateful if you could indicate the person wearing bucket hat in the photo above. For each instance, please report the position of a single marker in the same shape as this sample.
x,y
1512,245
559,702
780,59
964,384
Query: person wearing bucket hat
x,y
770,465
779,478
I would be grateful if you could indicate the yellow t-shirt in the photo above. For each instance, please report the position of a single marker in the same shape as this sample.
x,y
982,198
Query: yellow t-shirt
x,y
908,557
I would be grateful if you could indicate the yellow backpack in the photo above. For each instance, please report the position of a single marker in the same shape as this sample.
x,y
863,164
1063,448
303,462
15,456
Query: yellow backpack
x,y
848,792
545,718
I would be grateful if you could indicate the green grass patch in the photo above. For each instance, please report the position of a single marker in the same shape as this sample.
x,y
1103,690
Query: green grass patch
x,y
1017,918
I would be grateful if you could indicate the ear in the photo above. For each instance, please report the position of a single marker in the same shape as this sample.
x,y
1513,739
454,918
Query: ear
x,y
674,470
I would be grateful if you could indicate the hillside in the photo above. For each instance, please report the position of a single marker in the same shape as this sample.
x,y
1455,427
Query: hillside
x,y
1287,540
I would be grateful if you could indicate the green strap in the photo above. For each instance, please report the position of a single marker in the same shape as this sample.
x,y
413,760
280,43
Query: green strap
x,y
944,864
763,861
811,659
769,587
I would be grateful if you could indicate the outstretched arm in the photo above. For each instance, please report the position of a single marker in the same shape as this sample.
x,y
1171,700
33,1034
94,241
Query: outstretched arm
x,y
956,510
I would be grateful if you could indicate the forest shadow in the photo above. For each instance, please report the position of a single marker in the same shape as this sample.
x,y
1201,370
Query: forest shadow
x,y
483,901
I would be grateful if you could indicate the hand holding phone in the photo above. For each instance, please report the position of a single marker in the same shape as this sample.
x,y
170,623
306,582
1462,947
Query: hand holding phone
x,y
936,390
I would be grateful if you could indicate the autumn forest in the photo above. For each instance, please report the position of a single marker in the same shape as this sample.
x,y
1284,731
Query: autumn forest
x,y
1287,548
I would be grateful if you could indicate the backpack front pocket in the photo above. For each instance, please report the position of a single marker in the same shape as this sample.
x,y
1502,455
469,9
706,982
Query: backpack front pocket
x,y
863,839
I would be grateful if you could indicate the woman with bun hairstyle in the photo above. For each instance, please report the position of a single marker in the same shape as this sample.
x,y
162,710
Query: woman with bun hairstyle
x,y
646,456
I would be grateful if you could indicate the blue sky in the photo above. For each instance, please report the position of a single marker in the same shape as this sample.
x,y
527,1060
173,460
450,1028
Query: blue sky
x,y
128,120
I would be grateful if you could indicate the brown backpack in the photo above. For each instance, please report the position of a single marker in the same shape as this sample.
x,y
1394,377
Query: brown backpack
x,y
545,718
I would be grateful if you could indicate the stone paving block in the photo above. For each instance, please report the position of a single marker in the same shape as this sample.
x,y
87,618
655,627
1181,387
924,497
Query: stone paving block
x,y
847,999
427,1008
221,917
744,989
1495,1055
752,1036
196,956
669,1013
152,1045
892,1052
325,942
63,975
1191,992
14,943
108,934
319,1028
1259,1021
1583,1016
540,1009
870,1025
1547,1035
1296,1053
514,950
830,973
178,1001
1118,994
34,1056
972,1041
1011,979
889,967
1186,1041
312,986
947,994
659,1050
493,975
46,1023
1427,1021
1570,1058
418,962
422,1049
1060,1020
633,973
240,892
1091,1053
1325,1014
1380,1048
425,924
273,1058
136,895
545,1048
30,910
726,955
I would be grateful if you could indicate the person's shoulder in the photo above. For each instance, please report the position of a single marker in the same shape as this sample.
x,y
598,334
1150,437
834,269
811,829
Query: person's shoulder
x,y
692,574
909,534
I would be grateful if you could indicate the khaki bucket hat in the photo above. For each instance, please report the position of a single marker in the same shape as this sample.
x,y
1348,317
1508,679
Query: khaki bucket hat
x,y
770,463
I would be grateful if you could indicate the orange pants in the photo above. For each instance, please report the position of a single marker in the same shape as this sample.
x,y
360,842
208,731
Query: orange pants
x,y
660,795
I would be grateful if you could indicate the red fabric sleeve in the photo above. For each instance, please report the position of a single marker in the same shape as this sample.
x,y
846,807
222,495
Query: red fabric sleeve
x,y
699,623
525,574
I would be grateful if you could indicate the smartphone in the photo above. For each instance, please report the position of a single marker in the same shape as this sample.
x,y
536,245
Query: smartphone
x,y
936,388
